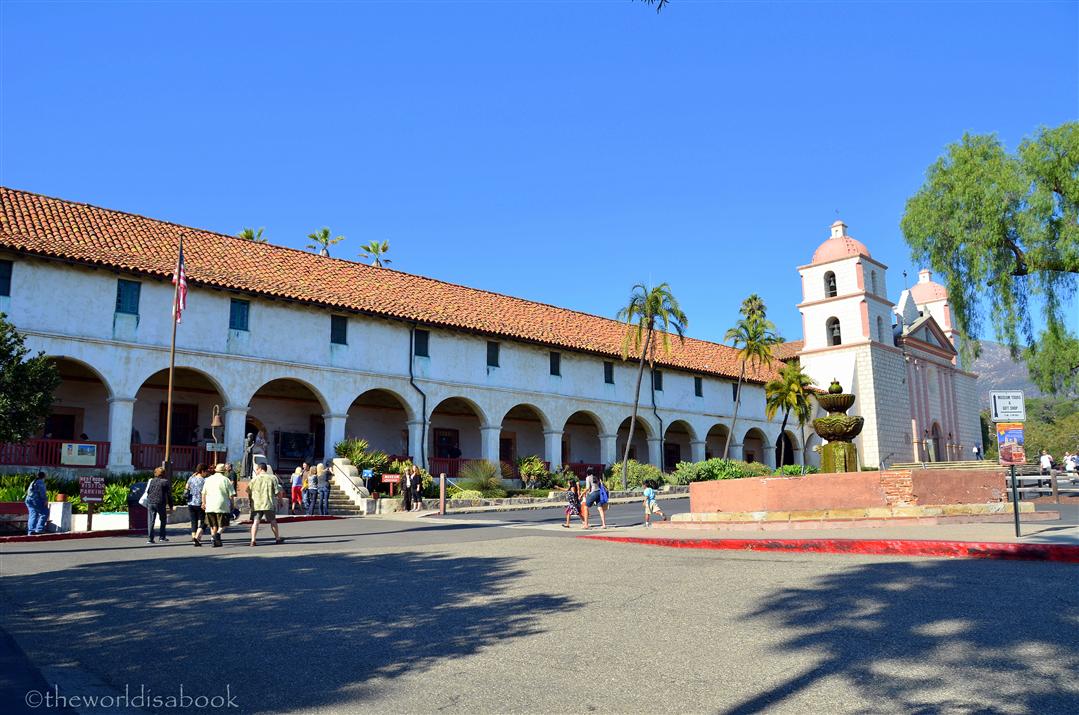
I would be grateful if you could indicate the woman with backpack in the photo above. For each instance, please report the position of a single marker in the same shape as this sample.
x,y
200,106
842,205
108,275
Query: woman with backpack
x,y
596,495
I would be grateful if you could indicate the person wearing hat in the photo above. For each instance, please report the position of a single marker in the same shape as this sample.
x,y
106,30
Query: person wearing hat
x,y
217,502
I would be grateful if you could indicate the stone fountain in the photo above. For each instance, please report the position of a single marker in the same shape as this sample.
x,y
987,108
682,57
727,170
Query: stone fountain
x,y
840,429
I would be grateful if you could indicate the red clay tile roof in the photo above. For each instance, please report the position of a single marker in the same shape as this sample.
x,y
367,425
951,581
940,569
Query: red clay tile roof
x,y
45,226
788,350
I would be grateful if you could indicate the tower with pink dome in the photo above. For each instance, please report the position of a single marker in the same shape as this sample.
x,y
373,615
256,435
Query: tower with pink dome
x,y
900,360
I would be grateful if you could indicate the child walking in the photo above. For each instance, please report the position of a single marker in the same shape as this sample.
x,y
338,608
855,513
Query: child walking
x,y
651,506
573,506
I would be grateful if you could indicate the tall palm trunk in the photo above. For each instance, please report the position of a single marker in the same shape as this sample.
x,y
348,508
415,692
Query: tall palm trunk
x,y
782,441
636,403
734,418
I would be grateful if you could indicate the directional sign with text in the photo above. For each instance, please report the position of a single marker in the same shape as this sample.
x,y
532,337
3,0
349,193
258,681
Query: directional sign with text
x,y
1007,406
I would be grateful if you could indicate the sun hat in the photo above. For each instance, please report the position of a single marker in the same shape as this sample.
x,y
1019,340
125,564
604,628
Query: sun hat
x,y
219,469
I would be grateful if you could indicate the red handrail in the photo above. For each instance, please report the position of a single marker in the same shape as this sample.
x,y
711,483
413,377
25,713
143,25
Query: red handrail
x,y
184,458
580,468
452,467
48,453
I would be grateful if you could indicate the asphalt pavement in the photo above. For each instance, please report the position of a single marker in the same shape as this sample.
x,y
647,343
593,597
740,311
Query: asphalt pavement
x,y
399,615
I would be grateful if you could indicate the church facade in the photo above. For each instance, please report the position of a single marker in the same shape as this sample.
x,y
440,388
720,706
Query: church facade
x,y
900,360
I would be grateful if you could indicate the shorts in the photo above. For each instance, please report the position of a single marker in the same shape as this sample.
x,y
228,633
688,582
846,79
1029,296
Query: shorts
x,y
652,508
297,495
592,499
268,514
198,517
217,520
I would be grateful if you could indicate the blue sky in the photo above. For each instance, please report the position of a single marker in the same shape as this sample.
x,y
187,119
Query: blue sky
x,y
557,151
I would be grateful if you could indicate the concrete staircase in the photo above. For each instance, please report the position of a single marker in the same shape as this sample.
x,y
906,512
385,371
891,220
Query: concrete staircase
x,y
341,505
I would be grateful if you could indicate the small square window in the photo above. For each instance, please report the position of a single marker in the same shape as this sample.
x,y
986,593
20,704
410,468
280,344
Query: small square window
x,y
127,296
421,347
238,311
698,386
338,330
657,380
608,373
492,353
734,391
556,363
5,277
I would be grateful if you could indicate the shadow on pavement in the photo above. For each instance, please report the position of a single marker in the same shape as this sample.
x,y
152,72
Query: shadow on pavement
x,y
900,631
289,632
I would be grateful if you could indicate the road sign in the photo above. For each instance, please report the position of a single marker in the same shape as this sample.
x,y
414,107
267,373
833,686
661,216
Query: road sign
x,y
1007,406
1010,443
91,488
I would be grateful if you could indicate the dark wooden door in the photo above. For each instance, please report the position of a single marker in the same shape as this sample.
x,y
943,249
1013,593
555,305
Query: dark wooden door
x,y
185,419
447,443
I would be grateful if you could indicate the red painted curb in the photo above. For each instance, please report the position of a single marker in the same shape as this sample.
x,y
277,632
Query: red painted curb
x,y
1063,553
70,535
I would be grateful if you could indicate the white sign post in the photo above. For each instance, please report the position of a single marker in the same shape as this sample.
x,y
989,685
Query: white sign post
x,y
1007,406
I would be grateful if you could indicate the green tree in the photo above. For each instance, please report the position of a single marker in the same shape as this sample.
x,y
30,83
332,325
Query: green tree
x,y
376,252
26,386
754,337
250,234
321,241
753,306
1002,229
648,308
789,392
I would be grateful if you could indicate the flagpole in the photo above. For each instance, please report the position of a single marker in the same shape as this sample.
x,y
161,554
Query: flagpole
x,y
172,362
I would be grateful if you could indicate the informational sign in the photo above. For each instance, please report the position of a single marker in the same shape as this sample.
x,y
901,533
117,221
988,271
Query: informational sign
x,y
1010,443
216,447
75,454
1007,406
92,489
391,478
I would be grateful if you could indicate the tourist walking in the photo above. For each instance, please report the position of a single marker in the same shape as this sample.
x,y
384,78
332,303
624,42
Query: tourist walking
x,y
217,502
158,500
1046,463
37,505
193,497
296,491
651,506
314,477
417,488
573,502
595,495
324,492
263,490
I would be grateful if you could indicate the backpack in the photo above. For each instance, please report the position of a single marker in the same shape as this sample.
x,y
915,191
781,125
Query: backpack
x,y
604,495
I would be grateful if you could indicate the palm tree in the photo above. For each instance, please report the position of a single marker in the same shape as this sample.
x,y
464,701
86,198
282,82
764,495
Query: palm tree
x,y
252,235
753,306
321,241
648,307
375,251
790,393
754,337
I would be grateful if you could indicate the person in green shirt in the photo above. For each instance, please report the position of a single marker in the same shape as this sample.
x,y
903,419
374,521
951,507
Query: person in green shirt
x,y
263,490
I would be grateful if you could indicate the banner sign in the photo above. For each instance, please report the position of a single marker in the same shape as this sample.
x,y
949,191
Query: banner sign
x,y
1010,443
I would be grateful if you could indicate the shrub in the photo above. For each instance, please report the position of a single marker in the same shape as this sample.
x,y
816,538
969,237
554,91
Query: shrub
x,y
636,474
468,494
427,481
795,470
687,472
482,476
12,492
115,498
533,472
359,452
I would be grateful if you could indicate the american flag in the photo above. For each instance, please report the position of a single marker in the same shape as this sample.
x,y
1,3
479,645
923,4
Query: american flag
x,y
179,279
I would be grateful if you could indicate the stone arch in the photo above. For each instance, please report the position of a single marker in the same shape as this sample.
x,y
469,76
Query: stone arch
x,y
523,435
292,411
830,286
80,403
642,433
789,442
195,394
832,331
677,444
454,431
753,443
715,439
581,439
381,415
